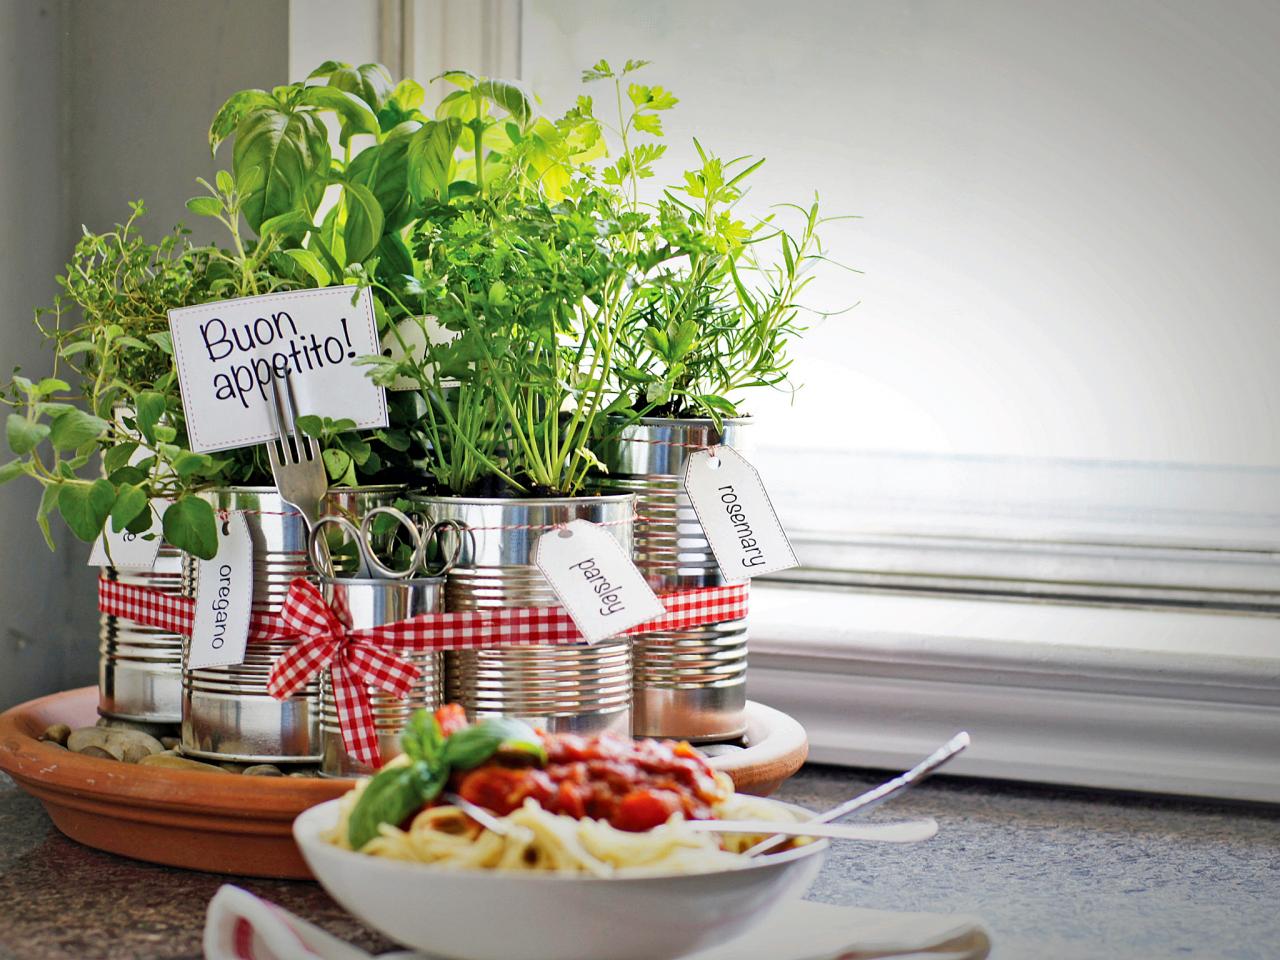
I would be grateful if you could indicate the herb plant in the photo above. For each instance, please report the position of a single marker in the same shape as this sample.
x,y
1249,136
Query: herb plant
x,y
718,298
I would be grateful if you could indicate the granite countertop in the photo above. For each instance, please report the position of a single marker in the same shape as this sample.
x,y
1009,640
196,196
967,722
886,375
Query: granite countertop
x,y
1056,875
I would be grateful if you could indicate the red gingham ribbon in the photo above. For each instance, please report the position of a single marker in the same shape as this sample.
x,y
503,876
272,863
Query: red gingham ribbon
x,y
355,655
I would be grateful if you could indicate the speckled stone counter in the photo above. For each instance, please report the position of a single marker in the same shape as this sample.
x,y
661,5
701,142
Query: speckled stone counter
x,y
1056,875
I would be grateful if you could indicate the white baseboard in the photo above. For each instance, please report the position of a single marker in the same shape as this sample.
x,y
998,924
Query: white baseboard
x,y
1121,712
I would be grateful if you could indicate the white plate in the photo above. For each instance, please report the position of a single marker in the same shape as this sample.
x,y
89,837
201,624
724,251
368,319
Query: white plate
x,y
490,915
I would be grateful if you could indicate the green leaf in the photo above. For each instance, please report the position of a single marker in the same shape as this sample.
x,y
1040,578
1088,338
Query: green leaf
x,y
205,206
11,470
430,158
130,502
355,114
226,183
190,525
281,161
118,456
162,339
473,745
336,462
232,112
150,408
422,737
309,262
73,428
390,797
24,435
85,507
294,224
48,503
648,123
363,228
508,96
51,385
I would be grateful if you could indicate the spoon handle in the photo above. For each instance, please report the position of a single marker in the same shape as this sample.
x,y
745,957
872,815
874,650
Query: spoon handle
x,y
878,795
904,831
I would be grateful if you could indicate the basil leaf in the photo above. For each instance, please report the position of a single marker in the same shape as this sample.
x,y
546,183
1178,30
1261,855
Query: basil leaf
x,y
422,737
363,228
473,745
393,794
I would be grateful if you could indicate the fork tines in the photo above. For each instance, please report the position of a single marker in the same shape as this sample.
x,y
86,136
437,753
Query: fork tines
x,y
292,445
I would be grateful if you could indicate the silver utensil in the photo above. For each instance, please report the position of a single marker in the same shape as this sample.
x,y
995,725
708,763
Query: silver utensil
x,y
479,814
878,795
904,831
296,465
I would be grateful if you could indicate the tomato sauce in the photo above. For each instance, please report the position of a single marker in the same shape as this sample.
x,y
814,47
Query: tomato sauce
x,y
634,785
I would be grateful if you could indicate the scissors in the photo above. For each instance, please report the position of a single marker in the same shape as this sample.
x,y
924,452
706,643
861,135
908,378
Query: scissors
x,y
369,564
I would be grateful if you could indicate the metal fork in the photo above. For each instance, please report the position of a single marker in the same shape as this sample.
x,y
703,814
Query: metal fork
x,y
296,465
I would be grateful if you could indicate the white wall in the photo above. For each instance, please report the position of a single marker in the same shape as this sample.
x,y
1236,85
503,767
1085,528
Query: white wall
x,y
101,102
1070,209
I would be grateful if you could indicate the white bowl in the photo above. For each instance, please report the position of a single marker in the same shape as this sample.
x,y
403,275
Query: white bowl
x,y
491,915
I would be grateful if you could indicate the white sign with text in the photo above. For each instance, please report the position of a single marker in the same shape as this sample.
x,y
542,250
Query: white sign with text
x,y
736,515
595,580
224,598
229,352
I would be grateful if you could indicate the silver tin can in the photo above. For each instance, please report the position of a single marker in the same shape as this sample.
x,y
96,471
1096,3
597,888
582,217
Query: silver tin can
x,y
689,684
227,713
579,689
140,667
373,603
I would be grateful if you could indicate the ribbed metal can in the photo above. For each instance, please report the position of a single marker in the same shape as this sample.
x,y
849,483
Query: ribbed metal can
x,y
227,713
140,667
579,689
689,684
373,603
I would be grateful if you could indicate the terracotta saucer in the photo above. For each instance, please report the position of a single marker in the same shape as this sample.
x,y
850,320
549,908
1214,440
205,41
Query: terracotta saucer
x,y
241,825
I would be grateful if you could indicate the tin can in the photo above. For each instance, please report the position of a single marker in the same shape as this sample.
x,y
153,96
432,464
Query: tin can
x,y
689,684
575,689
373,603
140,667
227,713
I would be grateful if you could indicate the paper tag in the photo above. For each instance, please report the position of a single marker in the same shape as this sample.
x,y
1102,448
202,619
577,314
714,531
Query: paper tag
x,y
224,598
736,515
595,580
229,352
125,550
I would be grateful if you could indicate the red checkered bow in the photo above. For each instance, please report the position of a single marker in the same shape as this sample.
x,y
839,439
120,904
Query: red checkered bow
x,y
357,660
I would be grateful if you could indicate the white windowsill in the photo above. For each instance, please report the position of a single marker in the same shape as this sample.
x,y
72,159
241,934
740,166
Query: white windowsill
x,y
1164,701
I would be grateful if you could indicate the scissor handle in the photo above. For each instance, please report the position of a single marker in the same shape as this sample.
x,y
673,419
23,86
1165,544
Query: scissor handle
x,y
433,531
320,558
370,556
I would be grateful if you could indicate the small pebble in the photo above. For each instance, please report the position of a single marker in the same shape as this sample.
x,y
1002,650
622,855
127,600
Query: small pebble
x,y
232,767
306,774
171,761
124,744
170,743
56,733
98,752
263,770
